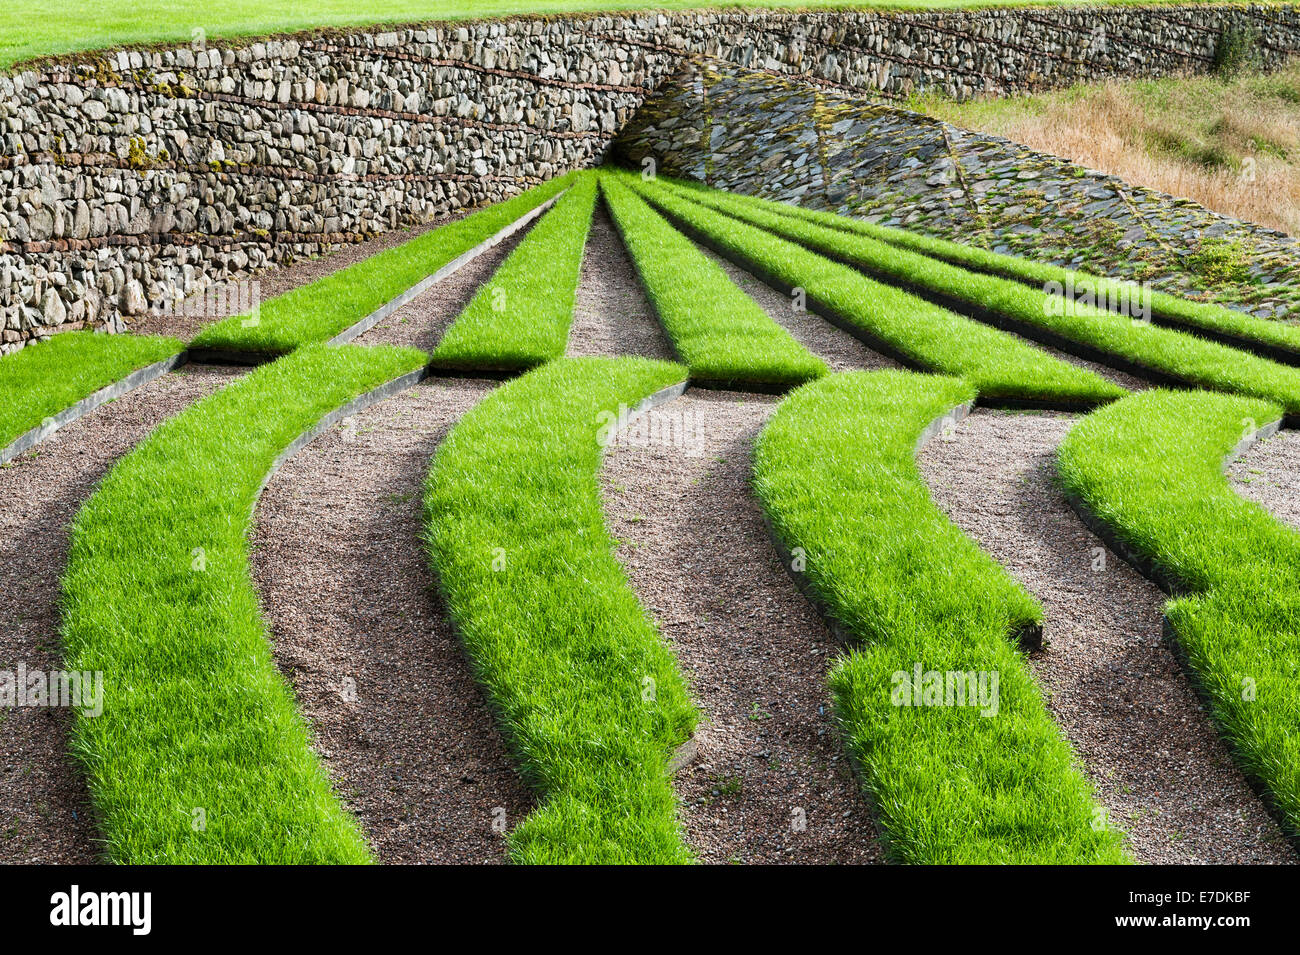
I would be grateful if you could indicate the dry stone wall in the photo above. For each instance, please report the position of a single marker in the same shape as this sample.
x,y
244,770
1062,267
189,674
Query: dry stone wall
x,y
132,178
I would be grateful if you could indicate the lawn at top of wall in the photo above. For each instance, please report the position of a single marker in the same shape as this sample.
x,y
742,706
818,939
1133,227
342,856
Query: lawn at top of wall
x,y
37,28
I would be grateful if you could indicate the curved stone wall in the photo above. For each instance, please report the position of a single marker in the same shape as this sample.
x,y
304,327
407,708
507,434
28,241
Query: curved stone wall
x,y
135,177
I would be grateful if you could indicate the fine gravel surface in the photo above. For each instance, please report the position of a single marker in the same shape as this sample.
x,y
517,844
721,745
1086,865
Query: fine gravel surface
x,y
1157,764
1269,475
422,322
44,806
360,632
840,350
231,298
612,315
1113,375
770,782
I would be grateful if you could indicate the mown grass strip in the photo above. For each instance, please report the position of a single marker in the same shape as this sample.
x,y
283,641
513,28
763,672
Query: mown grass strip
x,y
1150,470
1271,339
722,335
44,379
521,317
199,755
1119,340
916,332
590,699
327,307
990,781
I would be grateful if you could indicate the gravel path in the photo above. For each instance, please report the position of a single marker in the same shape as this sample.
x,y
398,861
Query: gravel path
x,y
756,653
1150,751
612,315
421,323
840,350
278,280
360,632
1269,475
1121,378
44,805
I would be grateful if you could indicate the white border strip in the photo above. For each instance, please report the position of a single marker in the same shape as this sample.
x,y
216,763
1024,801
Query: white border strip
x,y
141,376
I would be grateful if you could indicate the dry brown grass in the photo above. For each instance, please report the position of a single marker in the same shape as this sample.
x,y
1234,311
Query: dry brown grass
x,y
1233,146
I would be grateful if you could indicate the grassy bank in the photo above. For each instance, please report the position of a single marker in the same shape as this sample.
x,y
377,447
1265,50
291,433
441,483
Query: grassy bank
x,y
1165,351
199,755
48,377
1150,467
319,311
589,697
990,781
1206,318
721,334
521,317
998,364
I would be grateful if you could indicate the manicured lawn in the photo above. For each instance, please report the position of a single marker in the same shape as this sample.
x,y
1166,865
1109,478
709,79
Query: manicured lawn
x,y
30,28
587,693
998,364
991,781
321,310
43,379
200,755
1150,467
521,317
1194,360
722,335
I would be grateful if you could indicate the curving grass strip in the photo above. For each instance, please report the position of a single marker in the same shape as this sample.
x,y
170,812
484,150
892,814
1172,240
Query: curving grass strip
x,y
329,306
1103,335
591,700
916,332
44,379
991,781
722,335
1150,470
521,317
1266,337
199,755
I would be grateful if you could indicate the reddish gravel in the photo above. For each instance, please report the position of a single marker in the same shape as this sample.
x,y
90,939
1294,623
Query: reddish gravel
x,y
360,632
696,550
612,315
1269,475
1117,691
44,806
